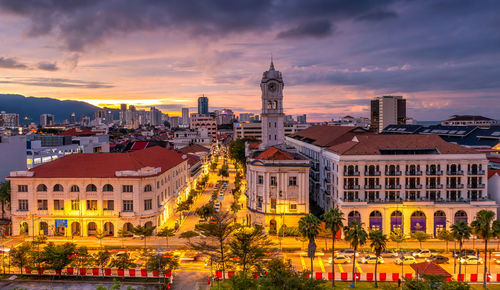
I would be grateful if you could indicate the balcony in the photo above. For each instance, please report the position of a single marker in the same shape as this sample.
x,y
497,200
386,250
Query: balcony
x,y
393,173
476,185
476,172
393,186
434,186
413,173
373,186
396,200
456,172
372,173
327,168
351,187
413,186
454,186
328,181
351,173
434,172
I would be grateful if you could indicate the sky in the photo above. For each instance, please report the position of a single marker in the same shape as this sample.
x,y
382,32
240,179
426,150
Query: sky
x,y
443,56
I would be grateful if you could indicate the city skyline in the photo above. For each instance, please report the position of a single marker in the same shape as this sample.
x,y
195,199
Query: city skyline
x,y
335,57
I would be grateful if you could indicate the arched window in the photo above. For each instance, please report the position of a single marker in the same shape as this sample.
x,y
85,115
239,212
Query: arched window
x,y
91,188
58,188
354,213
418,213
439,213
107,188
375,213
396,213
460,213
75,188
41,187
269,105
148,188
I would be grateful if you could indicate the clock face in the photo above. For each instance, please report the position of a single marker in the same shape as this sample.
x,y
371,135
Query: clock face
x,y
271,87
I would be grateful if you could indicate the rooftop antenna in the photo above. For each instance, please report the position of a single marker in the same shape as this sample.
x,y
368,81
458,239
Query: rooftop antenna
x,y
272,64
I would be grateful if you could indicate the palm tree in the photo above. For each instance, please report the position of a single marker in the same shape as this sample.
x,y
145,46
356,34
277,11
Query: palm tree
x,y
334,220
166,232
356,235
482,226
144,232
378,244
309,227
461,231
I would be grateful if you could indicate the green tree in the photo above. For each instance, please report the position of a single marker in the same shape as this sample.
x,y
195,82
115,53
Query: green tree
x,y
482,226
237,151
378,244
122,262
309,227
235,207
415,284
454,285
445,235
397,236
144,232
356,236
100,234
217,237
183,206
224,171
334,221
81,257
123,234
20,256
4,195
161,264
206,210
243,281
102,258
461,231
250,245
58,257
280,276
166,232
188,235
420,236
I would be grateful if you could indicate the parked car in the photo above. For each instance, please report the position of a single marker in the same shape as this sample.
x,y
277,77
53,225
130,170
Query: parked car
x,y
423,253
347,252
340,259
372,259
465,252
437,259
406,260
471,260
389,254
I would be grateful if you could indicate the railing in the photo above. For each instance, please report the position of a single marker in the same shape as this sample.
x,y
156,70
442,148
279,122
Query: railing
x,y
434,172
434,186
456,172
454,186
413,186
373,186
414,173
476,185
477,172
372,173
354,187
393,186
393,173
351,173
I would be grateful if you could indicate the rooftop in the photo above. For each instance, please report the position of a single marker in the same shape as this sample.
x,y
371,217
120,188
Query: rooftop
x,y
105,165
326,136
195,148
274,153
469,118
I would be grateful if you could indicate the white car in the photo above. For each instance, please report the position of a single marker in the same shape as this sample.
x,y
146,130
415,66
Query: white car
x,y
471,260
340,259
406,260
347,252
423,253
372,259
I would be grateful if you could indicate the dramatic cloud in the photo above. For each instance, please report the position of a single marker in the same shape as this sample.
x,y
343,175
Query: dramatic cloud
x,y
12,63
48,66
310,29
56,83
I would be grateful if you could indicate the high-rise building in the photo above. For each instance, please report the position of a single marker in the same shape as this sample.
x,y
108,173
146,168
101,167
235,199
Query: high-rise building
x,y
185,117
156,116
203,105
302,119
224,116
104,116
272,108
198,121
9,119
387,110
245,117
46,120
123,114
174,122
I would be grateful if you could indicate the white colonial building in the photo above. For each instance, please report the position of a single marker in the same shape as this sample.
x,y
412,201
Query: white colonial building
x,y
81,194
411,182
277,177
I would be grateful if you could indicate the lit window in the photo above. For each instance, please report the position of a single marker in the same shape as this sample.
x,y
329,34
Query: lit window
x,y
293,206
75,205
75,188
91,204
274,181
58,204
108,205
260,179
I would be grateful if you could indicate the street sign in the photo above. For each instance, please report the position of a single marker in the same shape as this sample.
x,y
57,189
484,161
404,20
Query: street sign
x,y
61,223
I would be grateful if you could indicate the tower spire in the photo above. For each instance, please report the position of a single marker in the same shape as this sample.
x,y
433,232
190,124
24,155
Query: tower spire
x,y
271,67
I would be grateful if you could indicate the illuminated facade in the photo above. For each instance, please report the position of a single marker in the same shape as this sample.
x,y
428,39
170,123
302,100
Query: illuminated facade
x,y
81,194
411,182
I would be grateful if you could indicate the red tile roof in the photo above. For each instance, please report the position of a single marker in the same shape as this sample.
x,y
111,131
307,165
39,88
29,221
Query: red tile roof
x,y
195,148
326,136
254,145
104,165
492,172
428,268
373,144
75,132
193,159
274,153
139,145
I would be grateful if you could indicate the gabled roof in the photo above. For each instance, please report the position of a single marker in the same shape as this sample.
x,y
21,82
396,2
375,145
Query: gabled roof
x,y
274,153
469,118
398,144
326,136
429,268
492,172
254,145
104,165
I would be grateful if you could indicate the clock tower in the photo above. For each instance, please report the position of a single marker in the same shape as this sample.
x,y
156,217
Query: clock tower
x,y
273,131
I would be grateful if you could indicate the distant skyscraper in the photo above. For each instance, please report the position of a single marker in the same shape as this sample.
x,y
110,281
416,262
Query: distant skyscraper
x,y
156,116
302,119
203,105
387,110
46,120
123,114
185,117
